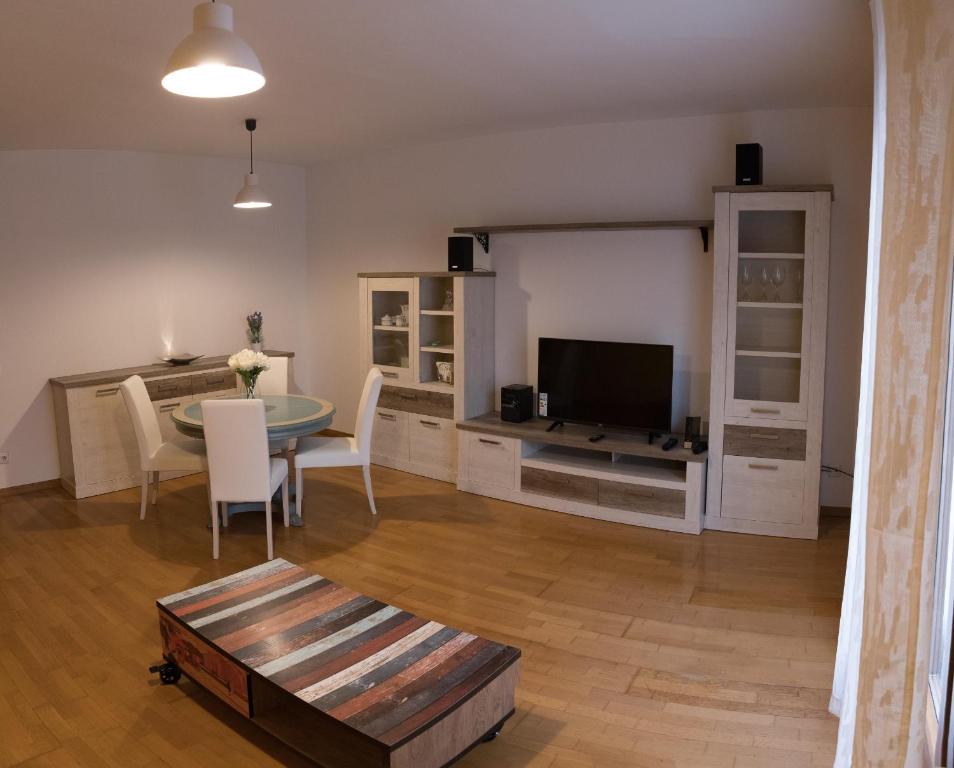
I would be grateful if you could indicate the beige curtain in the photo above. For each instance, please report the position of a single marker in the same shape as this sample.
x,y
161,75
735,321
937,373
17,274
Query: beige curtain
x,y
909,375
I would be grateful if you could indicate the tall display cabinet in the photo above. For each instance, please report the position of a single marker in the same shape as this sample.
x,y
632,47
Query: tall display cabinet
x,y
418,327
770,309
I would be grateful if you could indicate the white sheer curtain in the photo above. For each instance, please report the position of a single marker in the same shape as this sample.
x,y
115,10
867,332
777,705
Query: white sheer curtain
x,y
845,685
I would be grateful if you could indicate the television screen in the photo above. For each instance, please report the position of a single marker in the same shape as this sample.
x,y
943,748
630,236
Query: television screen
x,y
606,382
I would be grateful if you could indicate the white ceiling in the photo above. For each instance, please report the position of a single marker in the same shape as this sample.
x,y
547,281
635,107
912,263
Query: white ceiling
x,y
347,76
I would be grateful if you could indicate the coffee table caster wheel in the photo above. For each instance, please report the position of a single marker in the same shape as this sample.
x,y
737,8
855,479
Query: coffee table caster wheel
x,y
491,736
169,673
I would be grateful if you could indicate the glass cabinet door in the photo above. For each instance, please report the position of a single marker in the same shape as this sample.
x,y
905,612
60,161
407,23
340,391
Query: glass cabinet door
x,y
391,326
770,270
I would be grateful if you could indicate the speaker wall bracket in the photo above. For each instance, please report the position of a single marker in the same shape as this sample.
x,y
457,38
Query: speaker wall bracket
x,y
484,239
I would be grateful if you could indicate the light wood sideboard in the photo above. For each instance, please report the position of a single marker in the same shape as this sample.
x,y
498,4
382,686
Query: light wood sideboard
x,y
95,437
622,478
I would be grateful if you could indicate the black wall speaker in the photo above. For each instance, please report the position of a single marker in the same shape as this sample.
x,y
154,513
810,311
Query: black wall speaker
x,y
460,253
748,164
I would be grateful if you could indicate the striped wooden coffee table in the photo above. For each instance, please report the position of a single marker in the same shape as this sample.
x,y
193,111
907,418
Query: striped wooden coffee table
x,y
345,679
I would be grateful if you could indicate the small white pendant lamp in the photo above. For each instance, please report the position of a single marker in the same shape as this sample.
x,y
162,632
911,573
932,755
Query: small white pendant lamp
x,y
251,195
213,62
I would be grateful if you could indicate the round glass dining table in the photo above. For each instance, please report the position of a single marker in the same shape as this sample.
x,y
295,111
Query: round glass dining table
x,y
286,417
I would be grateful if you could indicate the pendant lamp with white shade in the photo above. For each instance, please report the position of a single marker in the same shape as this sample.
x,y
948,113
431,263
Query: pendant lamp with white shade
x,y
213,62
251,195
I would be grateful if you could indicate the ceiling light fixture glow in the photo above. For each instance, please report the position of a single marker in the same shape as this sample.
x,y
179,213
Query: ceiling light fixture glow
x,y
251,195
213,62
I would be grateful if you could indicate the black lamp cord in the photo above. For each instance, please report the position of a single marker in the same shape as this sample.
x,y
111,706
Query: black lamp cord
x,y
836,471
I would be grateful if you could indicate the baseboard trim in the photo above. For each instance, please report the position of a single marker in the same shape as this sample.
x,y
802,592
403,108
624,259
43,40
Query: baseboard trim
x,y
19,490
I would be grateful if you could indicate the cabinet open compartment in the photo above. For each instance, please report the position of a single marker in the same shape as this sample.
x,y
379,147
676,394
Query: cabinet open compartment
x,y
772,231
434,293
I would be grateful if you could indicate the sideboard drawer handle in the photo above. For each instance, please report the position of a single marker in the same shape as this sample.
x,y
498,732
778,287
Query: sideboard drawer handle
x,y
488,442
759,436
406,396
168,407
107,392
765,410
429,423
219,380
388,416
389,374
771,467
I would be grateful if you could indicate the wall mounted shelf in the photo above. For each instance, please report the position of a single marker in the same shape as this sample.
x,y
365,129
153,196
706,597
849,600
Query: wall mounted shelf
x,y
482,234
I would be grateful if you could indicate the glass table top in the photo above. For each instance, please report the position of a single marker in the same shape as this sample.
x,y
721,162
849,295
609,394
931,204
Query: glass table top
x,y
280,410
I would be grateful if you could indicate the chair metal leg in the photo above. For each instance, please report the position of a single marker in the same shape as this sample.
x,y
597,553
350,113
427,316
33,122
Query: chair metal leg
x,y
144,495
268,528
366,470
155,487
299,493
214,509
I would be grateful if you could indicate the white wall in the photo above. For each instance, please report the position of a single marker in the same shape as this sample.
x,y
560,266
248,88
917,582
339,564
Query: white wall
x,y
393,211
105,257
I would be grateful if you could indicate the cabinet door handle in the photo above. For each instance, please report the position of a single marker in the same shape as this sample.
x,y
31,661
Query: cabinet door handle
x,y
488,442
406,396
429,423
772,467
765,410
107,392
761,436
168,407
388,416
389,374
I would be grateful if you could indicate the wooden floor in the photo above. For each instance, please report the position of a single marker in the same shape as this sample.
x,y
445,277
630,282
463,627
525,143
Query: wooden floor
x,y
640,648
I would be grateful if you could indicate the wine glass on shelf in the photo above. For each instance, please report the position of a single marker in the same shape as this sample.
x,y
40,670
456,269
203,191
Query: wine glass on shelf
x,y
764,280
745,278
778,279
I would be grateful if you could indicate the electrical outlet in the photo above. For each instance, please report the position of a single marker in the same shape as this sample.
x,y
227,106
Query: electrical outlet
x,y
4,457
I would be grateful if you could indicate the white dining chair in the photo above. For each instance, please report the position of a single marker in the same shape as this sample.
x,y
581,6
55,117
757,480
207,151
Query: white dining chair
x,y
155,454
323,452
240,469
274,381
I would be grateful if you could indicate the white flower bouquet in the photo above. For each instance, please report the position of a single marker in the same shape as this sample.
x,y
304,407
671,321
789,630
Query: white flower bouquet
x,y
249,365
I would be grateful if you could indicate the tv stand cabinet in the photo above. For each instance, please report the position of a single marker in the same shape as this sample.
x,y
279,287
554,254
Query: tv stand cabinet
x,y
622,478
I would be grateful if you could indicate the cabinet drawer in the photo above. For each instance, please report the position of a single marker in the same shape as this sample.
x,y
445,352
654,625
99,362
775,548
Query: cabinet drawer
x,y
764,442
210,668
422,401
389,436
164,389
665,502
763,490
489,460
547,483
395,373
433,441
213,381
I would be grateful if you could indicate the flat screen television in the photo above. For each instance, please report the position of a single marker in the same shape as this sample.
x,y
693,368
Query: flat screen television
x,y
614,384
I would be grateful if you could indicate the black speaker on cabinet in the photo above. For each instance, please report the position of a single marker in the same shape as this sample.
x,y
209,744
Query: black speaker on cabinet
x,y
460,253
516,402
748,164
